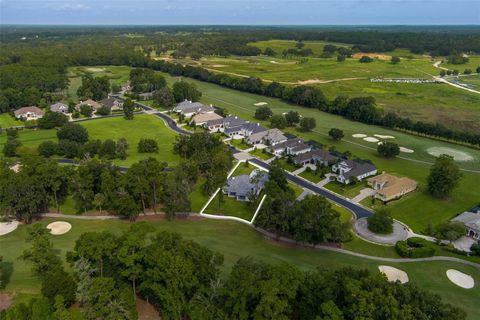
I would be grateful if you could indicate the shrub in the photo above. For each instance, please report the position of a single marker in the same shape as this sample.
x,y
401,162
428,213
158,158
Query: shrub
x,y
263,113
47,149
449,230
380,222
68,148
86,110
147,146
388,149
365,59
475,249
103,111
415,248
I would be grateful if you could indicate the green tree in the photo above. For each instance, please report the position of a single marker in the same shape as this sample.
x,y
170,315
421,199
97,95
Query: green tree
x,y
292,117
388,149
128,109
52,120
10,147
73,132
99,201
86,110
147,146
395,60
380,222
164,98
444,177
336,134
307,124
278,121
263,113
121,148
183,90
47,149
59,283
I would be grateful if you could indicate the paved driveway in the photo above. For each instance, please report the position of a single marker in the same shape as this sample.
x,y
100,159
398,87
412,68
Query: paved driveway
x,y
364,193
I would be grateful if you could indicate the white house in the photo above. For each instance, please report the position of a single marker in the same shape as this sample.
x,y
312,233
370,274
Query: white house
x,y
471,220
348,169
29,113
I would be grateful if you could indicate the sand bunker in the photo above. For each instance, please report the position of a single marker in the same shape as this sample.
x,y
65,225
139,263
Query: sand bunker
x,y
406,150
370,139
394,274
217,65
7,227
381,136
359,135
456,154
460,279
260,104
372,55
59,227
95,69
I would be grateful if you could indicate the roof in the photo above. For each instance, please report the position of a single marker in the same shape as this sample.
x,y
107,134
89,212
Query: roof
x,y
290,143
31,109
205,117
146,94
357,168
57,107
253,127
275,135
188,106
109,103
318,155
470,219
393,185
244,184
92,103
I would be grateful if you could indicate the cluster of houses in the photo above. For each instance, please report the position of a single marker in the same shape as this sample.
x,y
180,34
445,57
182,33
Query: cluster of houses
x,y
33,112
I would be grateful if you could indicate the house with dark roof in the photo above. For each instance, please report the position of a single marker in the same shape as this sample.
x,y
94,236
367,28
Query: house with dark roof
x,y
348,170
268,137
245,187
112,104
319,156
471,221
146,95
29,113
228,122
59,107
188,108
290,147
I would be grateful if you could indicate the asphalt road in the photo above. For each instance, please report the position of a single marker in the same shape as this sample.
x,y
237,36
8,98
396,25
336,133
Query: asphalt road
x,y
359,211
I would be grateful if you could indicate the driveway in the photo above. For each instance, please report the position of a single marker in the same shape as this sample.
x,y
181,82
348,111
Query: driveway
x,y
399,233
364,193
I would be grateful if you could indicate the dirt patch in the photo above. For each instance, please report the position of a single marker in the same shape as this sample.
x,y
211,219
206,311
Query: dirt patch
x,y
146,311
372,55
5,301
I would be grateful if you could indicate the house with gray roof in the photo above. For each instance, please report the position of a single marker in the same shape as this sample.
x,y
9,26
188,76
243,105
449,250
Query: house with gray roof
x,y
59,107
188,108
347,170
268,137
112,104
245,187
319,156
228,122
146,95
471,220
290,147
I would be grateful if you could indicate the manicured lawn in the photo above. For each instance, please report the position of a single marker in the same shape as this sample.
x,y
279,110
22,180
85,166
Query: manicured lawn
x,y
7,121
348,191
239,144
311,176
287,166
30,139
230,207
431,210
234,240
244,168
198,198
297,189
259,153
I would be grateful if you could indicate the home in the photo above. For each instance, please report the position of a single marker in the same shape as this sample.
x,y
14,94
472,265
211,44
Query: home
x,y
471,220
319,156
348,170
245,187
221,124
188,108
59,107
291,147
146,95
389,187
202,118
268,137
29,113
89,102
112,104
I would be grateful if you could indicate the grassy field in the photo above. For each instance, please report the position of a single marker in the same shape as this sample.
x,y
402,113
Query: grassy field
x,y
280,45
420,210
6,121
142,126
348,191
260,154
222,236
311,176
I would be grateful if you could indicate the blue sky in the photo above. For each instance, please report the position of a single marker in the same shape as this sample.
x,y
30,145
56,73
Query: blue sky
x,y
247,12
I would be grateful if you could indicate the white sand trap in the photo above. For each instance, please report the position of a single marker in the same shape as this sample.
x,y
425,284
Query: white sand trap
x,y
394,274
274,62
7,227
95,69
359,135
460,279
381,136
370,139
260,104
59,227
406,150
456,154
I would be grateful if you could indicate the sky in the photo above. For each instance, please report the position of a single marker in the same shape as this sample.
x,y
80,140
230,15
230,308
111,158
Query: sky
x,y
241,12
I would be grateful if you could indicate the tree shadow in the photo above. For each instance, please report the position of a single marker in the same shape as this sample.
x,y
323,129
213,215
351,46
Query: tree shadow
x,y
6,274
